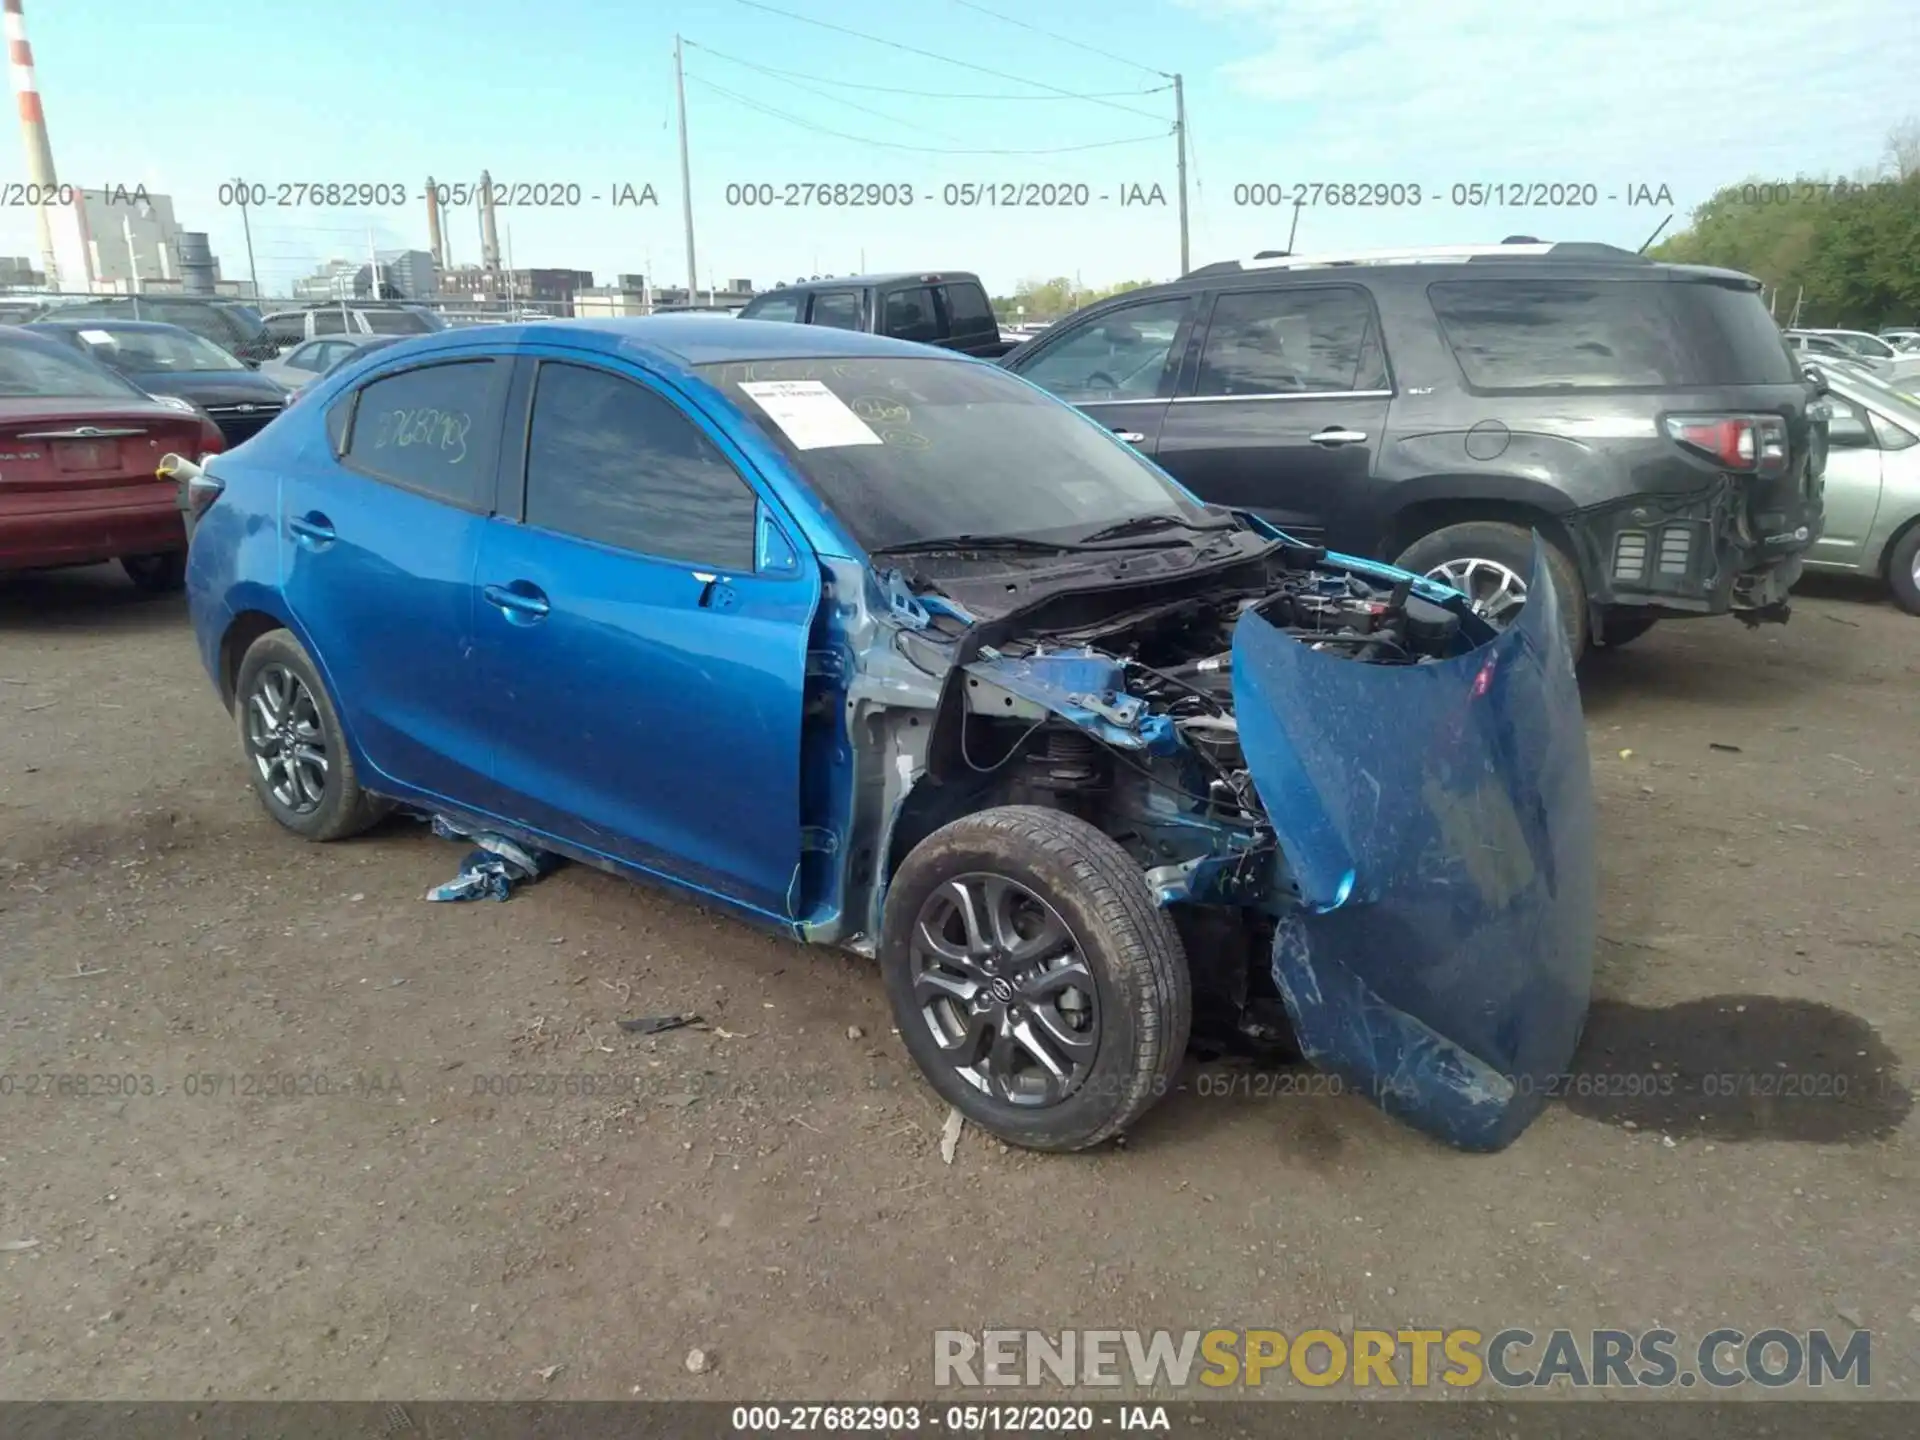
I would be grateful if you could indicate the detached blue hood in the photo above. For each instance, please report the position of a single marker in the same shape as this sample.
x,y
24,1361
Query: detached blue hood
x,y
1439,822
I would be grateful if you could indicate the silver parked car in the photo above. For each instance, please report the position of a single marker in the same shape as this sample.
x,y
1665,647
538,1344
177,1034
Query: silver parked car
x,y
1870,350
306,363
1872,482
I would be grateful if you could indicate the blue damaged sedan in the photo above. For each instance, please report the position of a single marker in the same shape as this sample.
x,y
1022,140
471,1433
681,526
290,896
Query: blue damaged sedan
x,y
887,649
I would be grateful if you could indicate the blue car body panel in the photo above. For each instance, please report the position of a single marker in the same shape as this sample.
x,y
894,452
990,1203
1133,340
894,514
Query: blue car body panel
x,y
1438,821
762,737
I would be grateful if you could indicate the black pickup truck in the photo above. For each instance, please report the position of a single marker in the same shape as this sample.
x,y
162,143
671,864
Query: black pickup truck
x,y
949,310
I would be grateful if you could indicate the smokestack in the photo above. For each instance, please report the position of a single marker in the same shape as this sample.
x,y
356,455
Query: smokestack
x,y
33,130
433,227
489,227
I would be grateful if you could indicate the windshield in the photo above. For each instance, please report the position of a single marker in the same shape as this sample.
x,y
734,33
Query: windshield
x,y
38,368
910,450
149,352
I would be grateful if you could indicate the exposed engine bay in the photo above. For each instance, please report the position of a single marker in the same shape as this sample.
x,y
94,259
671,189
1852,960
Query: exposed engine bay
x,y
1119,708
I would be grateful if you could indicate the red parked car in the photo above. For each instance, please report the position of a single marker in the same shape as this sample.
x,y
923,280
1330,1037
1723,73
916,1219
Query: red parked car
x,y
78,450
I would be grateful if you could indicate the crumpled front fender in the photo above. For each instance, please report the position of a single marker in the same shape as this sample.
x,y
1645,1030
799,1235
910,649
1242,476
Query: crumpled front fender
x,y
1438,821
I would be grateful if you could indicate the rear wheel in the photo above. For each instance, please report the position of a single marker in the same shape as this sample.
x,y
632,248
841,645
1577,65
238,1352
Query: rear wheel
x,y
1036,984
297,755
1488,561
1903,571
156,574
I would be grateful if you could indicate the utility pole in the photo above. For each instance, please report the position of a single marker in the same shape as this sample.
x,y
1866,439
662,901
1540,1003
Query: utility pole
x,y
373,267
133,262
246,227
1293,229
686,181
1180,139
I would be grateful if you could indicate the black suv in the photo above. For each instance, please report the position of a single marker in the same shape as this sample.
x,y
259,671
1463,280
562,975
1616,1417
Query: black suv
x,y
233,326
1431,408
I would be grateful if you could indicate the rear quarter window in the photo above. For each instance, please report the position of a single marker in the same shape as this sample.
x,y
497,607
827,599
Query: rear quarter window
x,y
431,430
1542,335
396,322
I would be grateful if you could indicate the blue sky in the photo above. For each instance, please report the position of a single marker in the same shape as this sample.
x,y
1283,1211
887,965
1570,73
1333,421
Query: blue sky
x,y
1684,94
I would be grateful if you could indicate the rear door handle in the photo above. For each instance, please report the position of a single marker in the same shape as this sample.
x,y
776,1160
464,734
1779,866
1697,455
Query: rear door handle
x,y
313,529
520,602
1132,437
1334,435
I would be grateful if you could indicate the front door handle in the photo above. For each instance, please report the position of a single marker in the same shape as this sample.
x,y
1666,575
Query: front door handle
x,y
520,602
1334,435
1132,437
312,529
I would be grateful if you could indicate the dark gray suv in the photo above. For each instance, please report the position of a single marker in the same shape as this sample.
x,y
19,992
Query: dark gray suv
x,y
1432,408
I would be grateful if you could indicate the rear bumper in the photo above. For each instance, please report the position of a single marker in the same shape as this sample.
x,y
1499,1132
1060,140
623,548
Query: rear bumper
x,y
1696,554
32,540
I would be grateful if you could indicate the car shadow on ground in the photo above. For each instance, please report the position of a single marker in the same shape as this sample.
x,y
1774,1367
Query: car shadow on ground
x,y
93,597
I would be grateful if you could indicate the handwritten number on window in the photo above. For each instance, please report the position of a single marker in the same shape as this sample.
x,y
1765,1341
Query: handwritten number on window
x,y
426,428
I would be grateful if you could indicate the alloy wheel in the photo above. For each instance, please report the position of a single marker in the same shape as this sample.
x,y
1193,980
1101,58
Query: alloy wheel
x,y
1005,990
1496,592
286,739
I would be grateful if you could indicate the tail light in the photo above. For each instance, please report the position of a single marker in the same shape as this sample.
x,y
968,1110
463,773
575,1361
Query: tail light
x,y
212,442
198,488
1746,444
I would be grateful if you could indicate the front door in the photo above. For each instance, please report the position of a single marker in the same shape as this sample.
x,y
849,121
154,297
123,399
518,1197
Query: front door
x,y
1851,495
377,546
645,680
1283,412
1117,365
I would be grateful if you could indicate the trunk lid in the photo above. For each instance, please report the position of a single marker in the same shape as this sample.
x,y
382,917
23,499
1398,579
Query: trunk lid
x,y
1438,821
75,446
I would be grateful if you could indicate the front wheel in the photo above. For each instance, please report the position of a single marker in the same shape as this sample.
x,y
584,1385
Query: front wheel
x,y
1903,571
1489,561
1036,984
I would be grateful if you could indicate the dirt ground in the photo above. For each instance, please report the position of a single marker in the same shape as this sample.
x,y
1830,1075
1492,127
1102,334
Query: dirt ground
x,y
397,1222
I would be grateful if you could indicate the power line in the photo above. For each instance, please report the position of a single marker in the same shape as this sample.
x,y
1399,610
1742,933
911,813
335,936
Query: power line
x,y
922,93
823,94
943,59
1063,39
896,145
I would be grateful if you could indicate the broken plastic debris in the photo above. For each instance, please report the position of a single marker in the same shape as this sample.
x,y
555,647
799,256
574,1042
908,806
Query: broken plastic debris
x,y
11,1245
493,869
654,1024
950,1135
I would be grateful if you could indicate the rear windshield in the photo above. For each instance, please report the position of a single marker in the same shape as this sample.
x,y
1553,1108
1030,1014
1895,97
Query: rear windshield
x,y
397,322
37,369
1512,335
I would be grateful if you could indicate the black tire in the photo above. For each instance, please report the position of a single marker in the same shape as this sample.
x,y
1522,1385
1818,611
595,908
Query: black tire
x,y
156,574
341,808
1623,627
1512,547
1143,993
1902,560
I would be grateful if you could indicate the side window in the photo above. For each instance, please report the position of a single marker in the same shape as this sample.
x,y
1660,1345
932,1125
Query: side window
x,y
1120,355
1291,342
837,308
1892,436
910,316
395,322
613,462
968,310
305,357
287,329
774,307
431,430
329,322
1849,429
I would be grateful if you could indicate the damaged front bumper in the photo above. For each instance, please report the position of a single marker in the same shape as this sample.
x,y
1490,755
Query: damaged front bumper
x,y
1704,553
1437,821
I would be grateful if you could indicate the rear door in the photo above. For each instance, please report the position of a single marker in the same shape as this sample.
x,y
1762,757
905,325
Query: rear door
x,y
1283,409
1118,365
838,309
644,672
378,545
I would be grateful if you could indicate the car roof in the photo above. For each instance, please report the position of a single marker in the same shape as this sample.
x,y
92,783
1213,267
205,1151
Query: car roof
x,y
114,321
890,277
685,341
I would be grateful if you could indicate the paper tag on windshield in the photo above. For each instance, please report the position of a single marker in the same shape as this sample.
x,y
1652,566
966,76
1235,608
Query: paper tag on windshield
x,y
96,337
809,414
